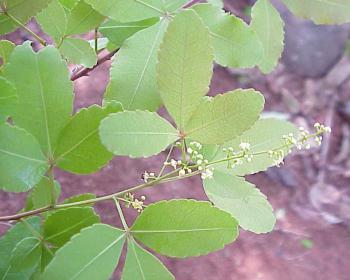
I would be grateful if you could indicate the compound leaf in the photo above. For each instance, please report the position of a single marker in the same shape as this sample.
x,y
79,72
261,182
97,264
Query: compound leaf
x,y
79,148
235,44
184,228
61,225
185,66
8,99
20,11
268,25
136,133
142,265
135,10
225,117
21,159
97,250
242,200
44,103
321,11
133,71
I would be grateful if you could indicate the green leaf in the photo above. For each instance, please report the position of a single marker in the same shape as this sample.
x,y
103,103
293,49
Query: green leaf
x,y
41,194
82,18
265,135
268,25
53,20
8,99
185,66
135,10
79,197
61,225
142,265
97,249
69,4
22,11
20,159
242,200
235,44
9,241
136,133
225,117
321,11
79,148
78,51
184,228
133,71
102,43
6,49
118,32
217,3
44,103
26,255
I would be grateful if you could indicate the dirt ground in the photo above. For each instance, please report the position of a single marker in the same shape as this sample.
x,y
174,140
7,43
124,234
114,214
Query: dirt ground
x,y
310,194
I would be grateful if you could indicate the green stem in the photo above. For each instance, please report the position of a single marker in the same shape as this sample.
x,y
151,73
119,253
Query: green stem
x,y
52,186
121,215
166,160
96,40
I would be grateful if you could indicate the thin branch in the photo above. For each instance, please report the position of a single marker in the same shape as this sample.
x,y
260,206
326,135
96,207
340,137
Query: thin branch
x,y
121,215
86,71
191,3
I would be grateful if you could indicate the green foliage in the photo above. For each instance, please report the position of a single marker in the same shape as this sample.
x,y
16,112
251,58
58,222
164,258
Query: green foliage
x,y
142,265
184,228
136,133
8,97
242,200
92,262
6,48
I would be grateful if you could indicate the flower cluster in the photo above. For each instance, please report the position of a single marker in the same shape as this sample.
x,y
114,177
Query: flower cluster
x,y
235,158
147,176
137,204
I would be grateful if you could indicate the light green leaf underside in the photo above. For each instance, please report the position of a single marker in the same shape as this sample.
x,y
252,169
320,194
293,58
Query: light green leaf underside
x,y
265,135
185,66
118,32
136,133
96,250
69,4
133,71
22,10
79,148
225,116
242,200
8,99
6,48
217,3
135,10
20,159
82,18
184,228
26,255
44,103
61,225
9,241
235,44
142,265
78,51
53,20
268,25
321,11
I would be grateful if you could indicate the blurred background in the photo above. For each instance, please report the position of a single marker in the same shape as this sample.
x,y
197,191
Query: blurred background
x,y
310,193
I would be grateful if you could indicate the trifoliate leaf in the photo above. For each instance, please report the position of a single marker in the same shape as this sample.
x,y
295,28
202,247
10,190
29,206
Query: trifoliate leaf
x,y
242,200
6,48
118,32
97,249
136,133
9,241
62,224
235,44
79,148
135,10
19,10
142,265
184,228
53,20
26,255
8,99
44,103
133,71
185,66
82,18
225,116
321,11
21,159
265,135
268,25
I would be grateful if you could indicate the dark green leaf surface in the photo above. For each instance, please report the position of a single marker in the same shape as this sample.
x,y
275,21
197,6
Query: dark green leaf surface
x,y
8,99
